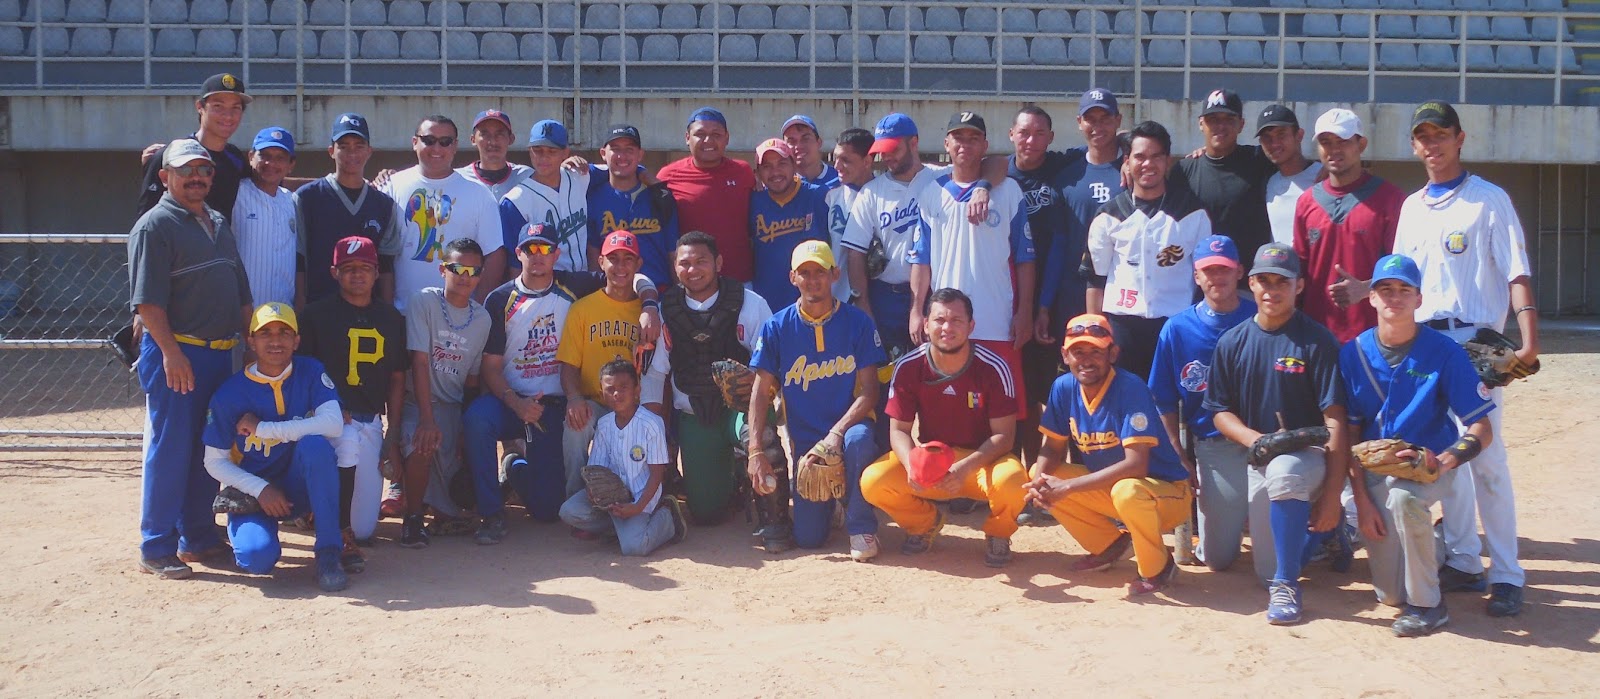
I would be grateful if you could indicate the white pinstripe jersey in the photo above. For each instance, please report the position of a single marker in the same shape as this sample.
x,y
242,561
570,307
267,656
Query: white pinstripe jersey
x,y
264,226
629,451
566,210
1469,245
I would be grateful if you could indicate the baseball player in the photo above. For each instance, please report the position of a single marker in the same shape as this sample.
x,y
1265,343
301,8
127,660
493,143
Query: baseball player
x,y
1179,376
436,205
278,415
855,171
707,317
632,443
220,107
713,190
556,196
961,395
788,212
1229,179
340,205
492,136
364,341
1278,371
822,357
446,331
188,287
620,200
1278,130
1405,381
801,133
1345,222
1130,473
1465,235
263,219
1136,250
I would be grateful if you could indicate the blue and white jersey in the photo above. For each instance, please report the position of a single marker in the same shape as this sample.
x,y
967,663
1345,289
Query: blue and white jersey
x,y
611,209
840,199
1119,414
296,395
565,208
815,361
887,209
264,229
1414,400
1181,369
975,258
777,227
1469,244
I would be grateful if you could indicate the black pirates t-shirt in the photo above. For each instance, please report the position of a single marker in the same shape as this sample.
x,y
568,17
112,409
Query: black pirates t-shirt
x,y
360,346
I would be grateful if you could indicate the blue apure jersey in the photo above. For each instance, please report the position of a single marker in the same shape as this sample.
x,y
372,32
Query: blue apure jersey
x,y
1182,366
815,362
1121,414
1413,401
776,229
635,211
293,397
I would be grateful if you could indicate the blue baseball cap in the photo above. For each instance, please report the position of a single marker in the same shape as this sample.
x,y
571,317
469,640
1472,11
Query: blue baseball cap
x,y
538,232
350,123
1216,250
1399,268
548,133
890,131
274,137
707,114
1097,98
491,115
801,119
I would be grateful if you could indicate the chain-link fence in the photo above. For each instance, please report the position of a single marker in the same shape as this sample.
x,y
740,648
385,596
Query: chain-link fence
x,y
61,386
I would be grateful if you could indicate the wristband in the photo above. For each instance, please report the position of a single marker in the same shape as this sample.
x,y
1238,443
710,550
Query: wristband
x,y
648,304
1529,307
1465,449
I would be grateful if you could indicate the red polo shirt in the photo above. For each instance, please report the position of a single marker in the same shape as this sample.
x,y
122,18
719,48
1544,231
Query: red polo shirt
x,y
716,201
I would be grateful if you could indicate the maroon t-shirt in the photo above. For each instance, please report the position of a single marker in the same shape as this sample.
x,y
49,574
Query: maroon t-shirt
x,y
716,201
1350,227
955,409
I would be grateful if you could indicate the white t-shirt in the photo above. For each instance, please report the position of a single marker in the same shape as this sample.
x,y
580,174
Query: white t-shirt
x,y
886,208
432,213
1469,245
566,209
1282,195
629,450
977,259
264,226
839,200
519,173
752,315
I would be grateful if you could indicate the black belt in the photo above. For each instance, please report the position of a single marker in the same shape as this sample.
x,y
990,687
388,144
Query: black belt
x,y
1448,324
897,288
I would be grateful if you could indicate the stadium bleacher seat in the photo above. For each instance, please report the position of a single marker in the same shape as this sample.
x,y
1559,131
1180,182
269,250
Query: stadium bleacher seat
x,y
129,42
55,42
1515,58
1435,27
328,13
641,16
1478,28
1397,4
1166,22
891,48
738,48
942,19
132,11
171,42
1053,51
861,50
1396,27
453,12
1321,54
498,46
1286,3
1398,55
263,43
1547,60
795,17
581,48
676,16
1246,24
404,13
334,43
697,48
659,48
1434,5
968,48
83,11
1081,50
536,47
1545,28
1020,20
11,11
1355,55
167,12
1506,28
1243,53
1206,53
1355,26
1176,3
1361,4
1326,4
558,16
1437,56
481,15
1480,57
1054,21
214,42
1205,22
901,17
1121,52
832,18
1291,54
91,42
1476,4
1124,22
200,12
980,19
13,44
929,48
815,47
1320,26
777,47
871,18
619,48
1014,50
380,44
755,17
416,45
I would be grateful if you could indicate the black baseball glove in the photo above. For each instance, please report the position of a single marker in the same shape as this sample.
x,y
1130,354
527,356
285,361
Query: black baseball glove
x,y
1275,444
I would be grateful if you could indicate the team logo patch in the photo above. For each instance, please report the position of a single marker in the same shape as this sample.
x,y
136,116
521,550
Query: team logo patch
x,y
1139,422
1170,255
1313,235
1483,391
636,453
1455,242
1216,99
209,420
1193,377
1290,365
230,82
326,381
739,331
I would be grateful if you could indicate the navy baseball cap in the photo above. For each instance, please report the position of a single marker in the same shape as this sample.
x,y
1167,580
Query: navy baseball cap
x,y
1216,250
1276,258
491,114
1399,268
801,119
350,123
548,133
224,82
1276,115
623,131
538,232
966,120
1223,102
1097,98
707,114
274,137
890,131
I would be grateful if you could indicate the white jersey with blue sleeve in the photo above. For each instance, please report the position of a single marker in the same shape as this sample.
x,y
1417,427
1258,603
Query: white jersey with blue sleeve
x,y
975,258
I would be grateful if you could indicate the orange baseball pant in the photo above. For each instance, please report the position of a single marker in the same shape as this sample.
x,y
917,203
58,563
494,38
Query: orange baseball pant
x,y
887,486
1146,506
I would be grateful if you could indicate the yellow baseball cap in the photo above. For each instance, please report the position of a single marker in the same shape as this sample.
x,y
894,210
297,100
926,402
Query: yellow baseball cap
x,y
274,312
812,251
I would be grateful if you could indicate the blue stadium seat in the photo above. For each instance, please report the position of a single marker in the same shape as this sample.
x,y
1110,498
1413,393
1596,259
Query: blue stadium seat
x,y
1088,20
171,42
1014,50
1082,49
1020,20
1166,22
1320,25
368,13
416,45
901,17
285,12
1398,55
1435,27
1396,27
215,42
523,16
676,16
1052,51
891,48
537,48
980,19
1206,53
1286,3
455,15
1243,53
1478,28
1326,4
870,18
1060,21
1480,57
815,47
1166,52
334,43
619,48
831,17
1121,52
1321,54
498,46
132,11
1547,60
329,13
1124,22
1547,5
931,48
848,51
1515,58
1355,54
90,42
1546,28
1178,3
791,17
161,11
56,41
1397,5
92,11
659,48
1507,28
697,48
1437,56
1207,22
46,11
1246,24
263,43
10,11
605,17
1291,54
712,18
738,48
12,43
580,48
559,15
402,13
1434,5
1361,4
129,42
775,47
754,17
380,44
479,15
1355,25
942,19
1474,4
968,48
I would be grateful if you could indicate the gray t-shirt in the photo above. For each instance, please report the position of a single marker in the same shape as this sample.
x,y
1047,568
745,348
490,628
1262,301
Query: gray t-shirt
x,y
453,338
1283,193
197,277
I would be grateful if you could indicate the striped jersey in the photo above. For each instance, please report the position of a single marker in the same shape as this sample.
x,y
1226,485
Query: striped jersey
x,y
264,228
565,208
975,258
954,409
629,450
1469,245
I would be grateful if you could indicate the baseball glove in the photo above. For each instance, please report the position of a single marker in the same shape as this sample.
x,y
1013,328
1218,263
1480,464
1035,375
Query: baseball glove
x,y
605,487
233,501
1381,456
124,345
877,258
821,474
1495,357
735,380
1275,444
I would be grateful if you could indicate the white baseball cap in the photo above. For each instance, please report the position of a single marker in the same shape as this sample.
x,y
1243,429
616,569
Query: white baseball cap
x,y
184,151
1339,122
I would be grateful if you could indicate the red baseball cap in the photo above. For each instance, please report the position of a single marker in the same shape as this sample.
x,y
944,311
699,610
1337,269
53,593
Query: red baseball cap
x,y
930,462
619,240
355,248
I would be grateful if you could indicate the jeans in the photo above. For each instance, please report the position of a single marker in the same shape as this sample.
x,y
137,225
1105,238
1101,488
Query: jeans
x,y
812,520
175,506
637,535
542,484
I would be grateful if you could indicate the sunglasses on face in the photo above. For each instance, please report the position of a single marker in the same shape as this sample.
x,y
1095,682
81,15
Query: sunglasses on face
x,y
538,248
192,170
462,270
442,141
1090,330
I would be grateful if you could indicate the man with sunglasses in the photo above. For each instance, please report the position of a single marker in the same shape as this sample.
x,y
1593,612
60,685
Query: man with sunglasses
x,y
220,109
342,204
188,287
437,204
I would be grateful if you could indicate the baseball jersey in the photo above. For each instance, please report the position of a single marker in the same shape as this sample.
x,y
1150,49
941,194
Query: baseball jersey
x,y
977,259
887,209
525,327
635,211
839,200
629,450
325,213
362,345
1086,187
517,175
1350,227
777,227
1120,414
753,313
232,169
296,394
433,212
1418,400
952,409
815,361
1047,208
263,227
716,201
194,275
1468,242
1283,195
564,208
1232,189
453,338
1260,375
1145,252
598,330
1181,370
827,179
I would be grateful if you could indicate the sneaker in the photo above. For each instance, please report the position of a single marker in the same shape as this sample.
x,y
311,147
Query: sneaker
x,y
492,531
166,567
998,553
1453,579
1035,516
392,505
777,537
1143,586
918,544
221,550
863,547
330,572
680,521
412,534
1420,621
351,557
1505,599
1096,562
1342,554
1283,603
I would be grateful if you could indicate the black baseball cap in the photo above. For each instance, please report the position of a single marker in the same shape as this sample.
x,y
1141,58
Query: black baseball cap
x,y
1276,115
1276,258
627,131
966,120
1436,112
1223,102
224,82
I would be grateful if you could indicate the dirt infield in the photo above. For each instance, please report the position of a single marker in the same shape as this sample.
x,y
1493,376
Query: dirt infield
x,y
546,614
